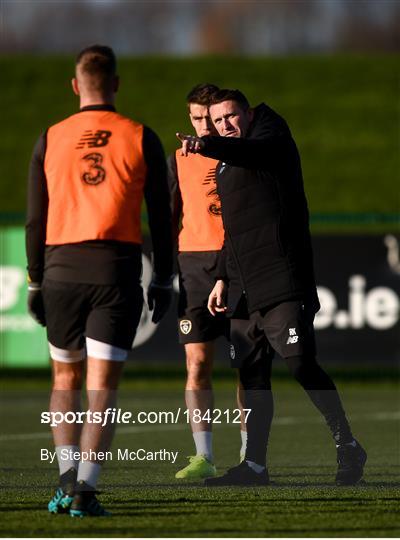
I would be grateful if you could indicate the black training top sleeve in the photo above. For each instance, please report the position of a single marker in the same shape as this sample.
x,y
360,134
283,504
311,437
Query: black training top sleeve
x,y
238,152
176,196
157,198
36,215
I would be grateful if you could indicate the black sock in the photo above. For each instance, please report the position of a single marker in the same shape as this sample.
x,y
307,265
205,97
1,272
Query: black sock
x,y
323,393
258,397
258,424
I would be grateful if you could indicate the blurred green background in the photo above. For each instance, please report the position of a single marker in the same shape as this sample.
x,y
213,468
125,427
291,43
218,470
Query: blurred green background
x,y
343,112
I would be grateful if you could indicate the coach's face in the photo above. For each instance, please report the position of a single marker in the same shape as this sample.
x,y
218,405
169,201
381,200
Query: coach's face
x,y
201,121
230,119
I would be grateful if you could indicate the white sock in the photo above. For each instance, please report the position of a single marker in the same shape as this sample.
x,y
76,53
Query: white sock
x,y
64,458
203,442
89,471
243,435
255,466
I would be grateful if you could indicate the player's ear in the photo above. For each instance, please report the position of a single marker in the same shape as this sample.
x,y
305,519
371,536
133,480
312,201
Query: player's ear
x,y
75,86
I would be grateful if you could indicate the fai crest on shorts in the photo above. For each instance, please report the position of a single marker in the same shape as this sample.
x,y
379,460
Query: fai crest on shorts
x,y
185,325
232,352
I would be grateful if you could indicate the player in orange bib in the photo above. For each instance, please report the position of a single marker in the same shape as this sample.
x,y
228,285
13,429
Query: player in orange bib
x,y
88,176
198,225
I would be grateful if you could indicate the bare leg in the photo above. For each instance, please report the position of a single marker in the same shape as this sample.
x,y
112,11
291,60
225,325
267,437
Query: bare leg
x,y
66,396
101,383
199,394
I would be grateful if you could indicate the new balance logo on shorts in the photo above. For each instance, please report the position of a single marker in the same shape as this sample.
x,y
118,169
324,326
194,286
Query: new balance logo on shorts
x,y
293,337
185,325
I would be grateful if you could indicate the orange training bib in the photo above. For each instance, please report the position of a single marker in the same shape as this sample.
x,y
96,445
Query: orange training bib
x,y
95,173
202,228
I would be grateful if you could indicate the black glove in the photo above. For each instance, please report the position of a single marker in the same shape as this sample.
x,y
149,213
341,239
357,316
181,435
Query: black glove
x,y
159,296
35,303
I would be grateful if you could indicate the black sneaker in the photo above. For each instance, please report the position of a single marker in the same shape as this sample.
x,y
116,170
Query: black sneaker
x,y
61,501
85,502
351,460
241,475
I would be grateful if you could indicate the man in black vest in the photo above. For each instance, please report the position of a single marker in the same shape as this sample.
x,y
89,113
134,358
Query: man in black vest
x,y
266,279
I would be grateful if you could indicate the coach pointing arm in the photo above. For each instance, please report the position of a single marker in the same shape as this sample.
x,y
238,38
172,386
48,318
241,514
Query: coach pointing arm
x,y
261,146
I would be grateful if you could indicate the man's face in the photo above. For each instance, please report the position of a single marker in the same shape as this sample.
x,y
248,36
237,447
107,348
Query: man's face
x,y
230,119
201,121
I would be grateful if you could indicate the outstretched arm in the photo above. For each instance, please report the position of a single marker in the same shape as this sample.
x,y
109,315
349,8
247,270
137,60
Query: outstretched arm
x,y
238,152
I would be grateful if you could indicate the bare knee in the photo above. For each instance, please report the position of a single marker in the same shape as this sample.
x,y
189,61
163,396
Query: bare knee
x,y
103,374
199,360
67,376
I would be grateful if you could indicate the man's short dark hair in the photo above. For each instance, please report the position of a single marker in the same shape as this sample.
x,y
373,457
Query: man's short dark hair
x,y
226,94
201,94
99,63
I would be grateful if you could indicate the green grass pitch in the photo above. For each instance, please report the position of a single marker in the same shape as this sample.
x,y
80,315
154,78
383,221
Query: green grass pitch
x,y
147,501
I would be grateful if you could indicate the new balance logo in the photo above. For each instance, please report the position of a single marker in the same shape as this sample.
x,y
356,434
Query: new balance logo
x,y
210,177
93,140
293,337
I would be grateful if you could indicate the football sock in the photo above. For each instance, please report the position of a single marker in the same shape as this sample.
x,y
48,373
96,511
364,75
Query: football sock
x,y
64,458
258,398
243,436
89,471
203,442
322,392
255,466
258,424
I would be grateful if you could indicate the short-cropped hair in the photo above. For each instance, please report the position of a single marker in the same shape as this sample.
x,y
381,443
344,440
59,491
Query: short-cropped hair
x,y
226,94
99,63
201,94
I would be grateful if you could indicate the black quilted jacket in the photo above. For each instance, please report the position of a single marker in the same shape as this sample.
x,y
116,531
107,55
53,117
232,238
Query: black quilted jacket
x,y
267,255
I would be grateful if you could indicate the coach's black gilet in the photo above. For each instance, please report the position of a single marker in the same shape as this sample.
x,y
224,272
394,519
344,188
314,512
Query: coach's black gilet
x,y
267,254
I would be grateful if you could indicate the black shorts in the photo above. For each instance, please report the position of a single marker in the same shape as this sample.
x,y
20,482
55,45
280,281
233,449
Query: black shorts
x,y
196,281
286,328
105,313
